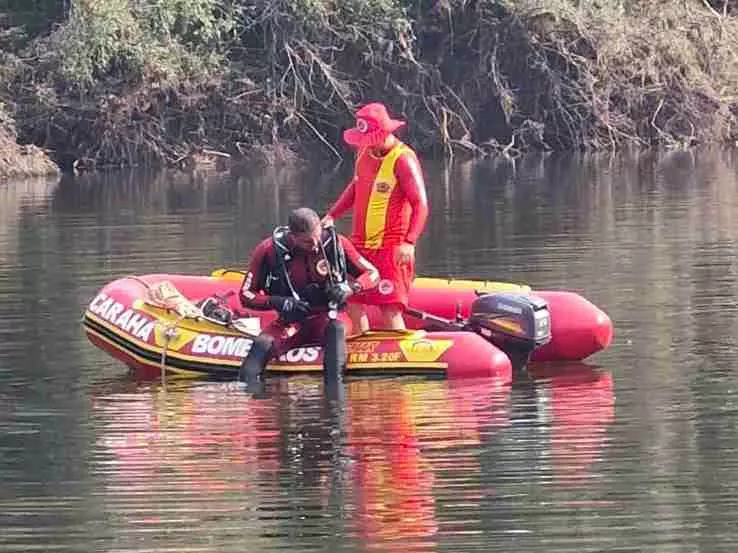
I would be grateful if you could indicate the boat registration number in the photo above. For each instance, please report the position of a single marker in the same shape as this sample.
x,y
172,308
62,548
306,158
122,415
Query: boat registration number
x,y
382,357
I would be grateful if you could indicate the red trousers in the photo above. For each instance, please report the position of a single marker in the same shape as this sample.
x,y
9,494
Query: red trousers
x,y
395,278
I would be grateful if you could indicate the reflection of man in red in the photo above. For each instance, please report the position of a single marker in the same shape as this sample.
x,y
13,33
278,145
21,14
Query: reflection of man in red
x,y
390,208
394,482
395,431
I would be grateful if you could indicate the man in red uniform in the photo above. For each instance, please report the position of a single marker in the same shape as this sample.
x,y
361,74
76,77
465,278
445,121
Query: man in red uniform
x,y
306,273
390,208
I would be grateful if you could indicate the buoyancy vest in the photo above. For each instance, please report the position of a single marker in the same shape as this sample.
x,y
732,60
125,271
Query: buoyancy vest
x,y
277,280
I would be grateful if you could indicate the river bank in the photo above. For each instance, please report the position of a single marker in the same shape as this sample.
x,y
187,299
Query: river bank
x,y
19,161
110,84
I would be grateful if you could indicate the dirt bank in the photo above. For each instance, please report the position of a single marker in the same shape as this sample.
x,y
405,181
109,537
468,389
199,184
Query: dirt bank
x,y
108,84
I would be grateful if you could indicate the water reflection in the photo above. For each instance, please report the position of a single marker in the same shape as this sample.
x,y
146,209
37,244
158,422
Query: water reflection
x,y
382,467
636,456
305,463
576,403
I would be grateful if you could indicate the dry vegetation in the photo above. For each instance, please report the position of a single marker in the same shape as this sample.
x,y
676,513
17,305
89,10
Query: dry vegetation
x,y
156,81
20,160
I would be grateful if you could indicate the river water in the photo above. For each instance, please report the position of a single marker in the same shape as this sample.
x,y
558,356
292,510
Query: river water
x,y
634,450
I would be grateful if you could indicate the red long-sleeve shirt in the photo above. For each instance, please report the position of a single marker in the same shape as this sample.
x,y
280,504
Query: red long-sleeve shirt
x,y
385,214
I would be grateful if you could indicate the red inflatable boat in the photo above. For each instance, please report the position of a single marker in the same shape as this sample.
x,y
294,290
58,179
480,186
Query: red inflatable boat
x,y
165,322
578,327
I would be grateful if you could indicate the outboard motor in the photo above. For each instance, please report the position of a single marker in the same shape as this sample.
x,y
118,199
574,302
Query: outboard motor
x,y
514,323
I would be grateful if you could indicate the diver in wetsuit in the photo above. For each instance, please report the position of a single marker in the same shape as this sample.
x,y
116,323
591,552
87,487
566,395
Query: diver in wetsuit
x,y
306,273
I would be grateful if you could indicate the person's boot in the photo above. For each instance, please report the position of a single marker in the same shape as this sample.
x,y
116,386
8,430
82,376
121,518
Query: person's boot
x,y
334,351
252,368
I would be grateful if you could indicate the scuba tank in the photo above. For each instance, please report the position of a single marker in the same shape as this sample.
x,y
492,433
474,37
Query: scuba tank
x,y
334,340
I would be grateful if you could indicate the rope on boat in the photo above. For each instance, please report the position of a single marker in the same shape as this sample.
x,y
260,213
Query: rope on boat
x,y
170,332
164,361
139,280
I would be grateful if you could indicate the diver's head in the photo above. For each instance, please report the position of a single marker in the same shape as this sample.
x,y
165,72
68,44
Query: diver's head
x,y
305,229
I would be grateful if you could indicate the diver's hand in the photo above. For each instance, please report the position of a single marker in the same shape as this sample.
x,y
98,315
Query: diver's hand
x,y
290,306
327,221
339,293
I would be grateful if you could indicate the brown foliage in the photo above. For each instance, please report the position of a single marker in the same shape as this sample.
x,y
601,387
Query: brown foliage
x,y
478,77
20,160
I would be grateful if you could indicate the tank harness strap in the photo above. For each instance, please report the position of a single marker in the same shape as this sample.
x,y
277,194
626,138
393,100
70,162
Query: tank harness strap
x,y
334,255
283,256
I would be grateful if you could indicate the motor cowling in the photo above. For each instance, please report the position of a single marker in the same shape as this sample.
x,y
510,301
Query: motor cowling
x,y
516,324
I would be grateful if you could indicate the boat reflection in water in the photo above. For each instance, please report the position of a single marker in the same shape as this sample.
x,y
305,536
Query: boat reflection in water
x,y
388,461
573,406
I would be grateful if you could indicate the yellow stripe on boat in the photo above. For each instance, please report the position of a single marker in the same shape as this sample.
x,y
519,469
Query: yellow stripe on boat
x,y
358,366
484,286
394,365
228,274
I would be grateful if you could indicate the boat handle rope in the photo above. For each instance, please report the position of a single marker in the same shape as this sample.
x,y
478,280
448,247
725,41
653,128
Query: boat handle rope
x,y
138,279
169,331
